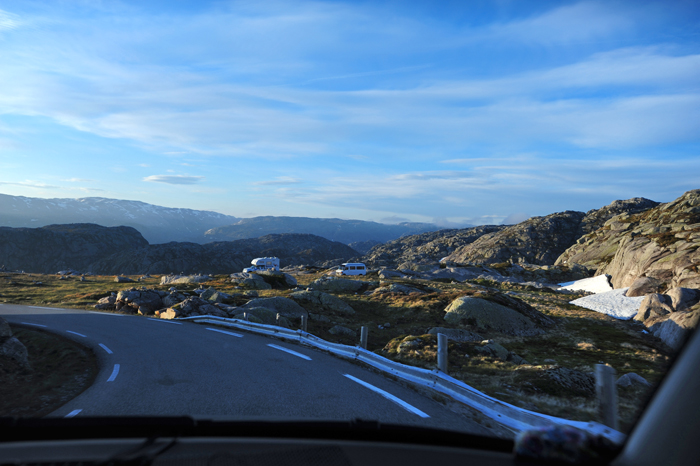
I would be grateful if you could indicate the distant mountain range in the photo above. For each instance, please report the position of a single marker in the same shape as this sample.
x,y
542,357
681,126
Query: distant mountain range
x,y
334,229
164,224
157,224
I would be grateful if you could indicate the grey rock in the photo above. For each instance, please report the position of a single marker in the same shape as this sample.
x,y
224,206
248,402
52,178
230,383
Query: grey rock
x,y
631,380
183,279
454,334
173,298
285,306
326,301
14,349
494,350
5,330
120,279
289,280
643,286
338,285
490,316
683,298
653,305
675,329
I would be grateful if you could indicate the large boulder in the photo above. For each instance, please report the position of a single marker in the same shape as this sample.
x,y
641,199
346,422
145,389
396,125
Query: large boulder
x,y
654,305
183,279
338,285
676,328
285,306
250,280
173,298
456,334
142,301
487,315
581,382
643,286
107,303
339,330
326,301
683,298
274,276
632,380
192,307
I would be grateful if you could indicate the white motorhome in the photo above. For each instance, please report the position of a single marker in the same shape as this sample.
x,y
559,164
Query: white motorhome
x,y
261,264
351,268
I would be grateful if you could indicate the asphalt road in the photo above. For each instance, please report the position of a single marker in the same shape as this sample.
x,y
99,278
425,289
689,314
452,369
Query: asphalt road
x,y
159,367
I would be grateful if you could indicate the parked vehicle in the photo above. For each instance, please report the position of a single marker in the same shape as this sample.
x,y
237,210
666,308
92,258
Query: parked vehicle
x,y
260,264
354,268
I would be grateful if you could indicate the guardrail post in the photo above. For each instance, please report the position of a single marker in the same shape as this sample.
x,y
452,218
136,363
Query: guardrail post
x,y
277,319
363,337
606,392
245,316
303,323
442,352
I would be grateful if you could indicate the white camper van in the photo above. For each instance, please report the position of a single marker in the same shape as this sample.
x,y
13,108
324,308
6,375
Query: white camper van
x,y
261,264
351,269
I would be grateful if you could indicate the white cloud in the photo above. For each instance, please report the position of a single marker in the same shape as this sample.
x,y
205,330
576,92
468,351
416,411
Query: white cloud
x,y
174,179
280,180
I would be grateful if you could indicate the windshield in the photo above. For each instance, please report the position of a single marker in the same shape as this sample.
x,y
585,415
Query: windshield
x,y
519,179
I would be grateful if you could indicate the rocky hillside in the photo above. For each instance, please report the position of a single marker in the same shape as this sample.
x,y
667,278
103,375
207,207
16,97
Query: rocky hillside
x,y
334,229
56,247
661,243
540,240
222,257
157,224
425,248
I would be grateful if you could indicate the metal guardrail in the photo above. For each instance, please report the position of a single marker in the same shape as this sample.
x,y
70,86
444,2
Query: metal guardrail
x,y
511,416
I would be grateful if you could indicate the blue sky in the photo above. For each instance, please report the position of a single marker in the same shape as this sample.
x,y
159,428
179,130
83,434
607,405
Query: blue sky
x,y
450,112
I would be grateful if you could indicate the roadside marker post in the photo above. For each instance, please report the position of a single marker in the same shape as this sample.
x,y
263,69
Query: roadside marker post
x,y
606,391
442,352
363,337
303,323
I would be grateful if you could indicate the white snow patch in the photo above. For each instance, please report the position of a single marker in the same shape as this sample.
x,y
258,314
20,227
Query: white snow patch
x,y
599,284
613,303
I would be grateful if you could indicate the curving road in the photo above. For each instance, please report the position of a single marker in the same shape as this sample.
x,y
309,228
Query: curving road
x,y
160,367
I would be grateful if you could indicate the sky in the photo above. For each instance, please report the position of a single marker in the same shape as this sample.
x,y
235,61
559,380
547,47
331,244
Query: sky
x,y
456,113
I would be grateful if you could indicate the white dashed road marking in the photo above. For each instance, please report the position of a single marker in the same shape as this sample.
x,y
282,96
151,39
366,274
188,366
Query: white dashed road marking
x,y
76,333
165,321
388,396
109,351
115,371
35,325
73,413
224,331
281,348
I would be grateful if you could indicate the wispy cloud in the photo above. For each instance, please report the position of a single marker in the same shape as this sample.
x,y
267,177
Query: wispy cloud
x,y
78,180
174,179
280,180
29,184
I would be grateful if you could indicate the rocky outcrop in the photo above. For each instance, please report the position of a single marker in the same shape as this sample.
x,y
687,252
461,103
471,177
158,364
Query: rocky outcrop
x,y
251,281
539,240
59,247
660,243
425,248
672,316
